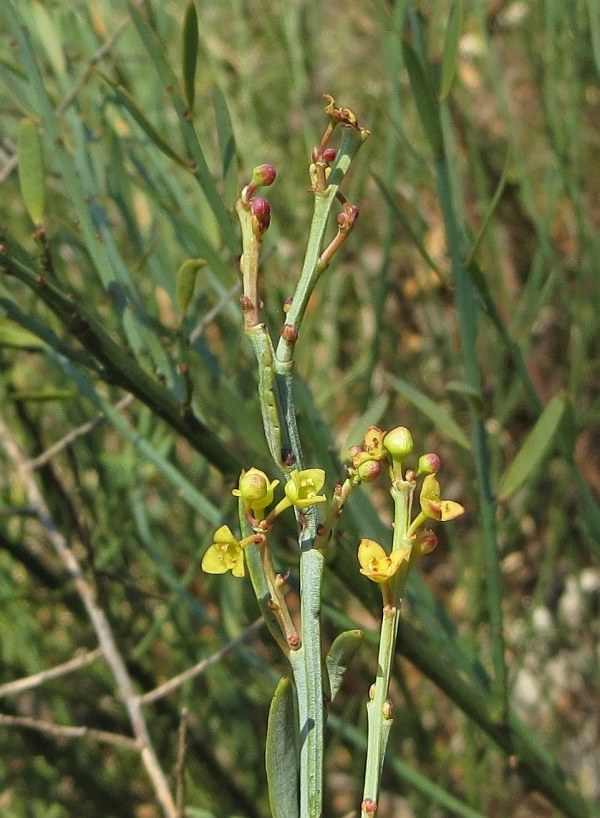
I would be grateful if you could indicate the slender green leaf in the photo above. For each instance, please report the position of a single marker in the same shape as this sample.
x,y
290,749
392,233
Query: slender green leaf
x,y
441,419
13,335
451,43
370,417
123,96
32,173
226,144
486,221
281,756
189,55
594,14
339,657
185,284
425,99
537,444
50,35
406,224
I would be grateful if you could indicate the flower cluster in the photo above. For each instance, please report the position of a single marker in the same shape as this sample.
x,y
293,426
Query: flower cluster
x,y
393,448
256,492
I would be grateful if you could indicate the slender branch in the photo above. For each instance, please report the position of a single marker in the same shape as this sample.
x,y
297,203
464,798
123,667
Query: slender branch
x,y
68,731
200,667
98,619
37,679
180,763
120,368
69,438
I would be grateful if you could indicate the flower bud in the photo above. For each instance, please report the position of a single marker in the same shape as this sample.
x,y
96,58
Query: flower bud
x,y
426,541
369,470
329,155
263,175
429,463
255,489
261,215
353,451
398,443
373,443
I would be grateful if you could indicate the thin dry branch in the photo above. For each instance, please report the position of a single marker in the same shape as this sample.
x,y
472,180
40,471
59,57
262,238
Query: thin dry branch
x,y
80,431
37,679
98,619
200,667
68,731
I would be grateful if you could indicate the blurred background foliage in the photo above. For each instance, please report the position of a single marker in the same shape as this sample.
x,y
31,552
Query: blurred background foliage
x,y
138,496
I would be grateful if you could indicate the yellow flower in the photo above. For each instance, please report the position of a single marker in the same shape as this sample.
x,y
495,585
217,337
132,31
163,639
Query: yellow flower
x,y
376,564
432,506
302,489
256,491
225,554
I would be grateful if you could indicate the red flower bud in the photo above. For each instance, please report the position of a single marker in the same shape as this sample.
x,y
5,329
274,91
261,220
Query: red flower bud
x,y
429,463
263,175
329,155
261,215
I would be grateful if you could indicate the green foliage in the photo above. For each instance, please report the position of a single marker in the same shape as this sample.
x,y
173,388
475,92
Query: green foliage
x,y
464,307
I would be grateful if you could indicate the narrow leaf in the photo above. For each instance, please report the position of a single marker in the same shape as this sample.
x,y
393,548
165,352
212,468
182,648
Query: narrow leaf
x,y
451,42
189,56
13,335
425,99
50,35
281,759
339,657
123,96
32,174
537,444
370,417
594,13
441,419
185,283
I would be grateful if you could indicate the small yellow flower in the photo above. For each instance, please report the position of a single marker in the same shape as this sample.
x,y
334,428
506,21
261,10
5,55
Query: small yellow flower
x,y
432,506
376,564
225,554
256,491
303,487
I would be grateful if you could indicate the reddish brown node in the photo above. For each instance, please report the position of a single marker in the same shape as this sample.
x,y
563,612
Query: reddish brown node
x,y
246,303
369,806
289,333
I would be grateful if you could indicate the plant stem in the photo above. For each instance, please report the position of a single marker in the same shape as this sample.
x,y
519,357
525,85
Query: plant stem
x,y
379,709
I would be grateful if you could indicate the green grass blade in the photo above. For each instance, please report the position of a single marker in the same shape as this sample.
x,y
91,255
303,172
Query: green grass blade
x,y
451,43
537,444
439,417
189,53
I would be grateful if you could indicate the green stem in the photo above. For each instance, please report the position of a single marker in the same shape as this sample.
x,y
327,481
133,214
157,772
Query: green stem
x,y
379,709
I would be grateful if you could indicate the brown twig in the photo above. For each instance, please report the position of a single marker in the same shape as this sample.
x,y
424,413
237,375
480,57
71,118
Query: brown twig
x,y
82,430
180,763
99,622
200,667
68,731
37,679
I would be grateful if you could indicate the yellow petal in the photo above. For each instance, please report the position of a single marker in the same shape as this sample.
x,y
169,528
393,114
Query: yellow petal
x,y
213,561
450,509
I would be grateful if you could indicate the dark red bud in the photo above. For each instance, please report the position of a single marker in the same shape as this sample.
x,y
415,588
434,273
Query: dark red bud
x,y
261,210
264,175
329,155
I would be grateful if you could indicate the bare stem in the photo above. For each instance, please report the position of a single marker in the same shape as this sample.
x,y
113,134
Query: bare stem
x,y
99,622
